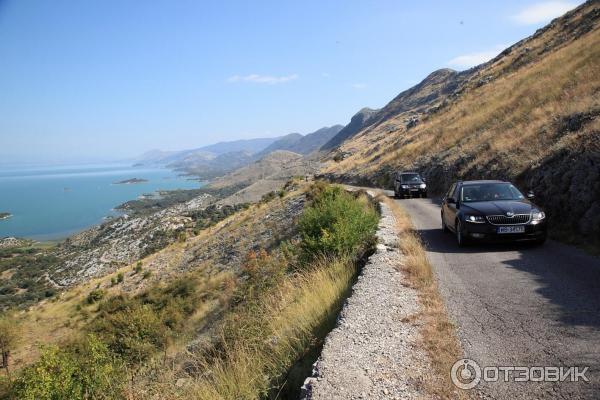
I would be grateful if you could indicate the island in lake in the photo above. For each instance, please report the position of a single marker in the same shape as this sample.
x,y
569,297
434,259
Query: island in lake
x,y
5,215
131,181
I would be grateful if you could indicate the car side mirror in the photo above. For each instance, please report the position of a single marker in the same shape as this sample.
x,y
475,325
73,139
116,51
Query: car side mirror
x,y
451,200
530,195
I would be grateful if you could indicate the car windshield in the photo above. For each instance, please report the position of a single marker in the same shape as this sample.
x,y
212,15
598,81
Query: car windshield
x,y
411,178
489,192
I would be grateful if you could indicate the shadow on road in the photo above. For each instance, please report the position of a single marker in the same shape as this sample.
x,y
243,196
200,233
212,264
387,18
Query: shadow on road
x,y
565,275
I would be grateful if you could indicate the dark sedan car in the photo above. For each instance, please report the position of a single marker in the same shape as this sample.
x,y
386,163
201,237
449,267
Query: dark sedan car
x,y
490,211
409,184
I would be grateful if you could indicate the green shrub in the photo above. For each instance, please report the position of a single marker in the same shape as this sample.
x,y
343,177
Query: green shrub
x,y
147,274
95,296
84,370
268,197
337,223
130,329
120,277
138,267
137,327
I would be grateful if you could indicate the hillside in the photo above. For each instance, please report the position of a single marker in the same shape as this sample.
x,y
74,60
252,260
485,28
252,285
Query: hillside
x,y
150,327
529,115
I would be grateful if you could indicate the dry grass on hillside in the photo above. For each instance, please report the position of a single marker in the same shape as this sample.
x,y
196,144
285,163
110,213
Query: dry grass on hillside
x,y
508,122
290,316
61,319
438,334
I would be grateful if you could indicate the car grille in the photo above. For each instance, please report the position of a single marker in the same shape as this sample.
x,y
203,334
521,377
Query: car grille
x,y
516,219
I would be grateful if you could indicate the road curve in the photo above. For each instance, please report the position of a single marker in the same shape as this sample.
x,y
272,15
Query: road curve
x,y
518,305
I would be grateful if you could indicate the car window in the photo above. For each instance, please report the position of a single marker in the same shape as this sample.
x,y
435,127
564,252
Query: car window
x,y
455,192
451,190
490,192
411,178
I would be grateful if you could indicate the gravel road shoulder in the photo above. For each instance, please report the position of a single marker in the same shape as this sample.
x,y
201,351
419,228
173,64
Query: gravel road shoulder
x,y
374,351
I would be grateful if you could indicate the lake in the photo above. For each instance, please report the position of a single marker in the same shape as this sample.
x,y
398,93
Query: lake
x,y
49,203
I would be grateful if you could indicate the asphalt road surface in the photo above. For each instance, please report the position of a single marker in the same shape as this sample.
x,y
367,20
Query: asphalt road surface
x,y
518,305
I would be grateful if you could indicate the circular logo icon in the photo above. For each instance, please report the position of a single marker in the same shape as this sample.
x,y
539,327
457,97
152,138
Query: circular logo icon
x,y
465,374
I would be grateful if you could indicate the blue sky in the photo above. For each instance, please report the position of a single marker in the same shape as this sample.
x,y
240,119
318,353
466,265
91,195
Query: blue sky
x,y
101,80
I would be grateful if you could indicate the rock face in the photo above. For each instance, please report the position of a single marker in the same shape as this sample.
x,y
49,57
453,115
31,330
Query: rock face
x,y
374,351
119,242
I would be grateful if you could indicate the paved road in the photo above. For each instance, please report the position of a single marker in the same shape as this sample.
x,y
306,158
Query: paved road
x,y
518,305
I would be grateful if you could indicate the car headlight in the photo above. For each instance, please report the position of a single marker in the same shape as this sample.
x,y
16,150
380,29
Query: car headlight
x,y
476,219
404,186
538,215
423,186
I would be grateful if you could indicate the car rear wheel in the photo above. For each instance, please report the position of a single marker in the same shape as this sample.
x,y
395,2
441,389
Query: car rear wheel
x,y
460,235
444,226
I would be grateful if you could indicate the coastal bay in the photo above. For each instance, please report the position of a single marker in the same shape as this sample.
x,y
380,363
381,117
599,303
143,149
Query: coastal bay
x,y
51,203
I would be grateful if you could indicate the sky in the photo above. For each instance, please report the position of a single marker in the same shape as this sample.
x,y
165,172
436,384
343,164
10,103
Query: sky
x,y
108,80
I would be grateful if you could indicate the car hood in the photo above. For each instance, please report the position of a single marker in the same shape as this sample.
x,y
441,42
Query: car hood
x,y
501,207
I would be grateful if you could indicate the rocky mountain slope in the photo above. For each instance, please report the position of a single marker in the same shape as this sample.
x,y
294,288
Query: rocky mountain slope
x,y
529,115
359,121
269,174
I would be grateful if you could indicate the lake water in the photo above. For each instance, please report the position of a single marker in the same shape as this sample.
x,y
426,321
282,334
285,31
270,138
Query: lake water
x,y
54,202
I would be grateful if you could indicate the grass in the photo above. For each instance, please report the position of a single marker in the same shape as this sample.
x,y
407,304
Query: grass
x,y
209,333
438,333
282,327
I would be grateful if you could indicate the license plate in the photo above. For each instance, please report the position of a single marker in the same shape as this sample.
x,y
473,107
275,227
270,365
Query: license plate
x,y
414,190
511,229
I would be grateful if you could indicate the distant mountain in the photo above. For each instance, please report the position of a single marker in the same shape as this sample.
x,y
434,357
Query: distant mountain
x,y
221,158
283,143
300,144
204,155
359,121
246,145
216,166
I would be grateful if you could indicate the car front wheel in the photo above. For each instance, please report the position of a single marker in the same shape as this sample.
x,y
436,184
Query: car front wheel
x,y
444,226
460,235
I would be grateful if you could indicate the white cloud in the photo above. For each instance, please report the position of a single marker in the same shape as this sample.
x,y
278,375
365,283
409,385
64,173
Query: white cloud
x,y
472,59
543,12
266,79
359,85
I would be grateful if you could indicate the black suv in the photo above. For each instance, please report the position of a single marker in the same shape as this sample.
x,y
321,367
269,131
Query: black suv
x,y
491,210
409,184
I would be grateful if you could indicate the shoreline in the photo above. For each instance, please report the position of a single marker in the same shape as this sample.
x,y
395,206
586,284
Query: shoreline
x,y
5,215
